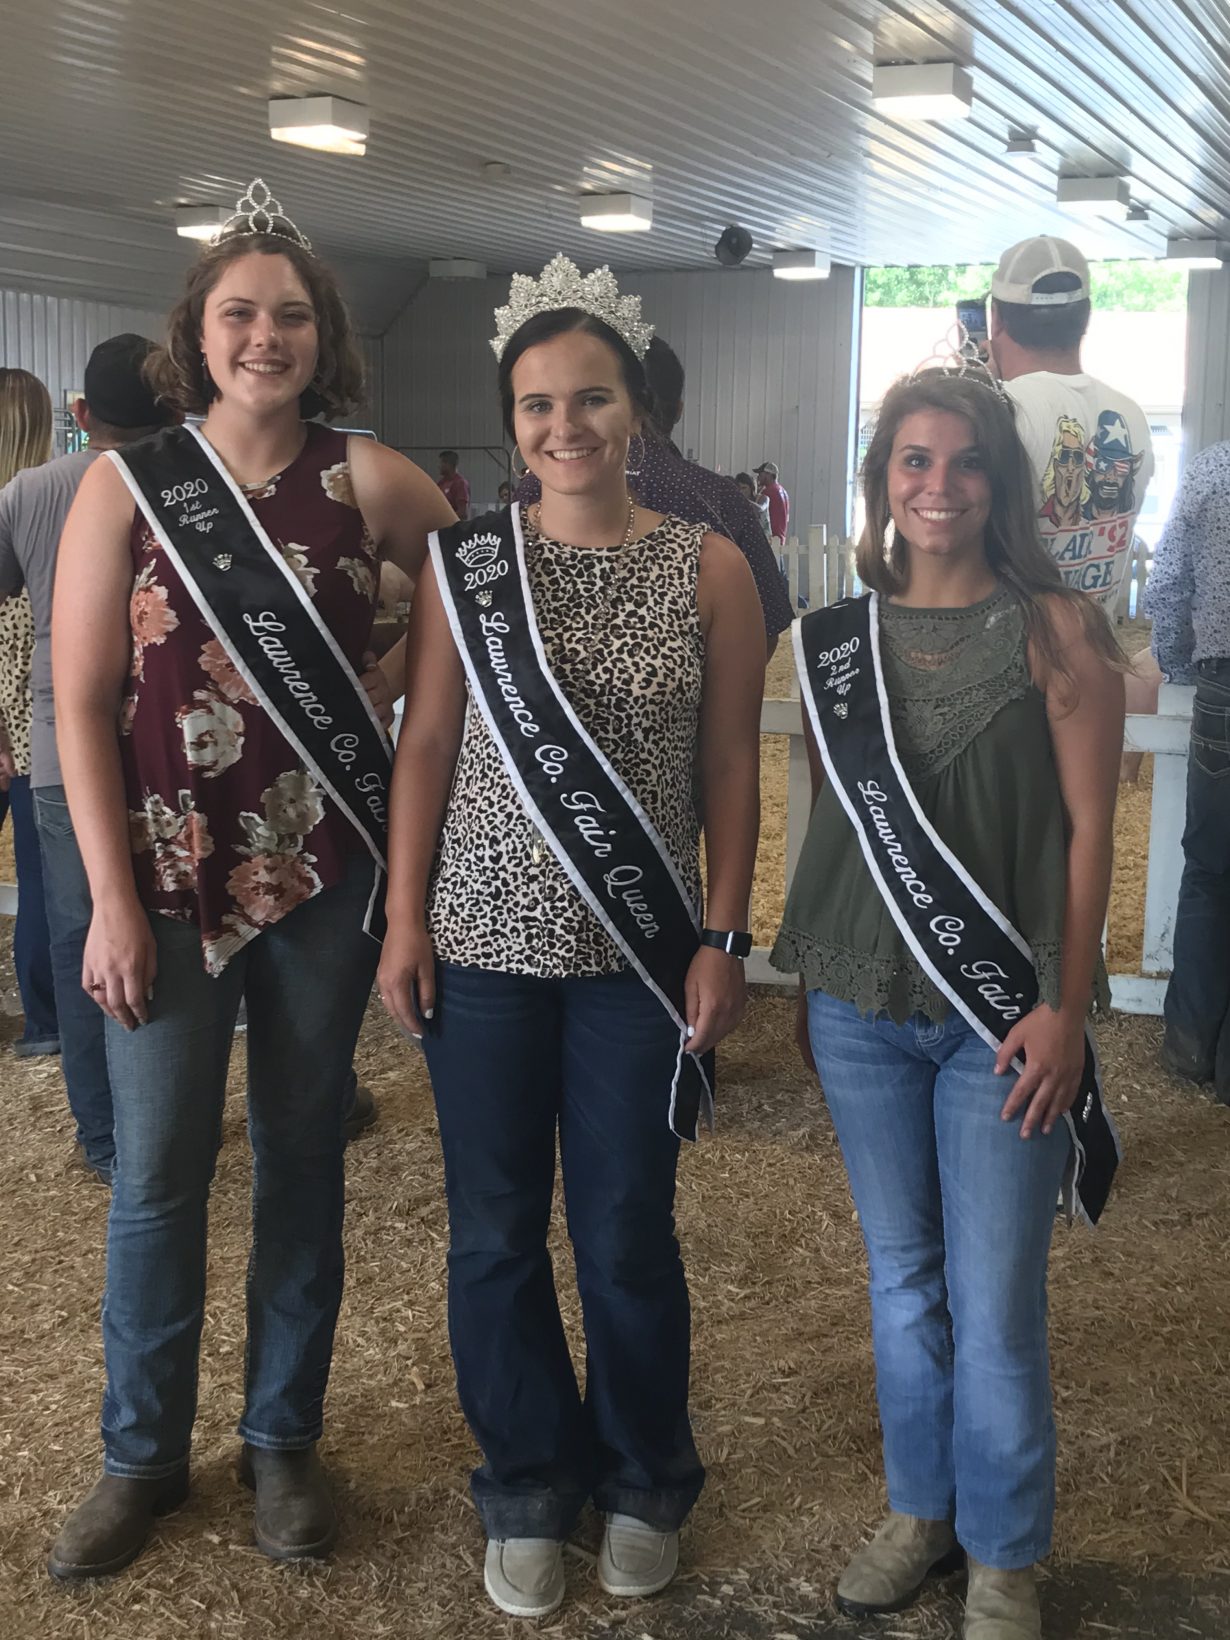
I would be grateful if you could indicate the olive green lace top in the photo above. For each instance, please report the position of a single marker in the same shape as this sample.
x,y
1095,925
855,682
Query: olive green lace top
x,y
972,733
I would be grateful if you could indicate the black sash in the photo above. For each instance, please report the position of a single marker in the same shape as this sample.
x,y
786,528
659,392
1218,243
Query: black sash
x,y
265,621
962,941
592,823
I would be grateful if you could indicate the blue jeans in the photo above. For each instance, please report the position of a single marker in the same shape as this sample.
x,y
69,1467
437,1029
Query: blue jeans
x,y
956,1210
83,1054
31,941
1197,1006
306,980
513,1059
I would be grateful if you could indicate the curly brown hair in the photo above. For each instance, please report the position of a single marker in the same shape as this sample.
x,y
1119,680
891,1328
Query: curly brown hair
x,y
1014,551
176,371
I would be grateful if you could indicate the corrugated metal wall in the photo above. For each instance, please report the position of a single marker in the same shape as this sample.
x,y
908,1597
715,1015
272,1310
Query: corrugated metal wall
x,y
770,368
1206,410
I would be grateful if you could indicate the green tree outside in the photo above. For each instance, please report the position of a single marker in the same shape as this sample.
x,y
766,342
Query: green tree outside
x,y
1126,287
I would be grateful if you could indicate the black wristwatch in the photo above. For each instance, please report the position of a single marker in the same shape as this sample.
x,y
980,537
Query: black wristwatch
x,y
729,940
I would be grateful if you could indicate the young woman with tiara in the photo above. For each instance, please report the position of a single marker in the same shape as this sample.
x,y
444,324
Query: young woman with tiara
x,y
571,670
964,719
227,779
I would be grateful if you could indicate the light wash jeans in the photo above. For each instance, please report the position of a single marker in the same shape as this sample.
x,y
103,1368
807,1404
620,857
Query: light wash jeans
x,y
956,1210
306,980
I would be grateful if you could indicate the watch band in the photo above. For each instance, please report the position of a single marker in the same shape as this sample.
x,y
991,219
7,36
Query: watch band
x,y
730,940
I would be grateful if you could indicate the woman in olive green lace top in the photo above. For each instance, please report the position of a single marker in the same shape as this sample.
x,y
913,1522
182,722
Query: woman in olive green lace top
x,y
1006,703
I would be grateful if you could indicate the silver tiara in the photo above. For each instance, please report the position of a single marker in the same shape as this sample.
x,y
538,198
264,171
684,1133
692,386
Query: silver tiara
x,y
258,212
564,286
959,357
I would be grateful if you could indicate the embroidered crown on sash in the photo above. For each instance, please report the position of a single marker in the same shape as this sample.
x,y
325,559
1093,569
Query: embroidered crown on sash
x,y
258,212
563,285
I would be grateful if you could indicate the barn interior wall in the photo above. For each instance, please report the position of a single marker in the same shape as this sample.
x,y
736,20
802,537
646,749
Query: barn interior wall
x,y
770,368
1206,411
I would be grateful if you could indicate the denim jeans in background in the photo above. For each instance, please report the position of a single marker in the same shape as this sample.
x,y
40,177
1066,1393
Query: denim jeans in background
x,y
956,1210
513,1058
83,1054
1197,1006
306,980
31,940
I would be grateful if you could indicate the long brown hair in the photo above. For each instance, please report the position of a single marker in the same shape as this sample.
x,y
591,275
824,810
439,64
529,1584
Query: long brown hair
x,y
25,423
1014,551
176,371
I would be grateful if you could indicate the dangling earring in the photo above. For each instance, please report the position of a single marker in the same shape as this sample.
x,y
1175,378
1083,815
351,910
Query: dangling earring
x,y
518,461
630,465
207,381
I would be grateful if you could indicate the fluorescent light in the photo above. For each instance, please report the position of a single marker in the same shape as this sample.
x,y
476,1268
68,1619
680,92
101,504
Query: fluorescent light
x,y
616,213
199,221
329,123
1095,196
800,265
922,91
1197,253
455,267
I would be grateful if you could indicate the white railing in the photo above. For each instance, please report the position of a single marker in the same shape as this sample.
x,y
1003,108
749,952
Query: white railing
x,y
1165,735
818,571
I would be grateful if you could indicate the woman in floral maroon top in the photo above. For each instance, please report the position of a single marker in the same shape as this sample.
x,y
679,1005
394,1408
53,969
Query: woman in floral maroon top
x,y
221,870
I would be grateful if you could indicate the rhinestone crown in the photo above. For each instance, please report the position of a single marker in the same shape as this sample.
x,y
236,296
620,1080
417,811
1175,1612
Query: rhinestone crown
x,y
564,286
956,354
258,212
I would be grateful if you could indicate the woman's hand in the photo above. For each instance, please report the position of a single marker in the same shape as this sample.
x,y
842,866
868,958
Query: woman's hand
x,y
802,1034
407,976
120,962
715,994
378,691
1053,1047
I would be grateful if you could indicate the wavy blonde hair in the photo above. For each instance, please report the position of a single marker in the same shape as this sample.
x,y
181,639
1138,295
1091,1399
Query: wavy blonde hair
x,y
25,423
1014,552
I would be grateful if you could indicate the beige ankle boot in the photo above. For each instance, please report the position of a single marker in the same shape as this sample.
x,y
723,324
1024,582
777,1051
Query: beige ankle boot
x,y
1001,1605
887,1575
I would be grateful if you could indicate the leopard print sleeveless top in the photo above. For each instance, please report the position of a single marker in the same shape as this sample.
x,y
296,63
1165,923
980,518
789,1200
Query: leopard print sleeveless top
x,y
622,635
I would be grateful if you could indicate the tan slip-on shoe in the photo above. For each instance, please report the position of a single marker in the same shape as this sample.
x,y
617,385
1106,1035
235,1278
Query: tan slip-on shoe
x,y
1001,1605
635,1559
888,1574
525,1576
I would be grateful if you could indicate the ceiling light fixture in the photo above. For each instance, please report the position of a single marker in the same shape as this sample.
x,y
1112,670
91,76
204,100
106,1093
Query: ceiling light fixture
x,y
199,221
331,124
1197,253
801,265
1137,212
455,267
616,213
1021,142
1095,196
922,91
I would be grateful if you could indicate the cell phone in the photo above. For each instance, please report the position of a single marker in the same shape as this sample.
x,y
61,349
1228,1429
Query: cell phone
x,y
972,315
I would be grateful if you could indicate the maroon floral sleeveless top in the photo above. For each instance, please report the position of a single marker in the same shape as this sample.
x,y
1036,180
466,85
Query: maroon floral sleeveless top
x,y
228,828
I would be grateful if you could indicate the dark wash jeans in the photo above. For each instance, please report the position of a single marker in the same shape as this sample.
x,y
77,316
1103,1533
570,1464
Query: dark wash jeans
x,y
513,1059
1197,1005
83,1053
307,980
31,941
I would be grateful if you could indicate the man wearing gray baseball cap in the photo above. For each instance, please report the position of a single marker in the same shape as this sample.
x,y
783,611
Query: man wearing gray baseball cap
x,y
1088,443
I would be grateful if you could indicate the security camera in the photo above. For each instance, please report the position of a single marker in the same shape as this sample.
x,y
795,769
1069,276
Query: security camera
x,y
733,247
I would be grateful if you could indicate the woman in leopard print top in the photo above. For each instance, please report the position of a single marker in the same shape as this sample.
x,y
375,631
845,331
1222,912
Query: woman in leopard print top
x,y
533,1023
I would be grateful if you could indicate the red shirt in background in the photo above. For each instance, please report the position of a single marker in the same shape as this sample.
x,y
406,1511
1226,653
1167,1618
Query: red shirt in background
x,y
779,508
457,493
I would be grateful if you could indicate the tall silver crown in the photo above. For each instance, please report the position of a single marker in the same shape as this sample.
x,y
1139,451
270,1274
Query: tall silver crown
x,y
564,286
258,212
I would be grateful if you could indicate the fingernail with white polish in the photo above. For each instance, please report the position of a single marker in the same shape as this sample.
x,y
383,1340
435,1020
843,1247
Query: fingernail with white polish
x,y
691,1032
429,1013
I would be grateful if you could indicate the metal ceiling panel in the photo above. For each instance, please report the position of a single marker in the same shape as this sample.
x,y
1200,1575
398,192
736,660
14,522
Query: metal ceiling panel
x,y
760,115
